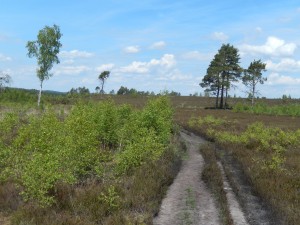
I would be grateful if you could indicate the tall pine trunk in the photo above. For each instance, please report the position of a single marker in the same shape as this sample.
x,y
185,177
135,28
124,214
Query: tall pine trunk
x,y
226,90
217,99
102,85
226,96
253,92
222,92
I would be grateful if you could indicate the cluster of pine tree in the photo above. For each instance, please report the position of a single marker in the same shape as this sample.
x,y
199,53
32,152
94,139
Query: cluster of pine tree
x,y
224,69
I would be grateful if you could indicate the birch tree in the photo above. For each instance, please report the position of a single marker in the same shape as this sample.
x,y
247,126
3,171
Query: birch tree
x,y
5,79
45,49
253,76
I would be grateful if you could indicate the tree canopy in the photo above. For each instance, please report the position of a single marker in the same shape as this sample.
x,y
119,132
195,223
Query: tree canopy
x,y
102,77
253,76
223,70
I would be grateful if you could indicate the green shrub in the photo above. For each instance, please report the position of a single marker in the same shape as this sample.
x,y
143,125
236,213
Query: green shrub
x,y
47,149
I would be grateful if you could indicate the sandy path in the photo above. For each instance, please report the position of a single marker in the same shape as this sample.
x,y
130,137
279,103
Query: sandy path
x,y
188,201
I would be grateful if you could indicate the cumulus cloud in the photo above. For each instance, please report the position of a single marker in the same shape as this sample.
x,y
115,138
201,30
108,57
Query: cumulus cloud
x,y
197,55
286,64
71,70
132,49
277,79
105,67
158,45
166,62
76,54
273,47
4,58
135,67
219,36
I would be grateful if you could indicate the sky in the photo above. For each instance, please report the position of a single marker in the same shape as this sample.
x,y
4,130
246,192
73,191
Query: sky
x,y
153,45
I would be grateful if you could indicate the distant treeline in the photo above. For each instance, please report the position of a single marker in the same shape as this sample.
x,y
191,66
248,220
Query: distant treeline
x,y
21,95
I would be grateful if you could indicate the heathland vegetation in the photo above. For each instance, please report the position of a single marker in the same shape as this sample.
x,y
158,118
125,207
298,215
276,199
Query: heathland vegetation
x,y
98,163
266,147
110,158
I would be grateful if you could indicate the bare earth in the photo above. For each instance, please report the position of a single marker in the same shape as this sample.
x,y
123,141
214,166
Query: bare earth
x,y
4,220
188,201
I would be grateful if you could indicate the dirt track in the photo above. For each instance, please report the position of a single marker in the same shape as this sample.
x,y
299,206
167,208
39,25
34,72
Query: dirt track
x,y
188,201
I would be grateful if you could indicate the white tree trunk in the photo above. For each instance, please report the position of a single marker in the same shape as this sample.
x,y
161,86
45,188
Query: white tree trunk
x,y
40,93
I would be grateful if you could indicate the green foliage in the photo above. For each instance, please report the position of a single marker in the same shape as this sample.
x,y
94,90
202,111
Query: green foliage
x,y
270,142
146,135
46,149
144,148
102,77
222,71
253,76
110,199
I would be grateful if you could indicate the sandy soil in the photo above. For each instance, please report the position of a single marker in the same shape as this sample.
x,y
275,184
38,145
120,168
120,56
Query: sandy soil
x,y
188,201
4,220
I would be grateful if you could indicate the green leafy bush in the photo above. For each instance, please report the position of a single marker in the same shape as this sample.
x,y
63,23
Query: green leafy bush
x,y
47,149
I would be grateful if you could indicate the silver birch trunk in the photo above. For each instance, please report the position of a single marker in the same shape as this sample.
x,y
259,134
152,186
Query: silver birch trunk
x,y
40,93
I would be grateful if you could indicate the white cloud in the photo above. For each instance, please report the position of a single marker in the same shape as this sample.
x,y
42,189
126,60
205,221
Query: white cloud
x,y
174,75
4,58
286,64
197,56
166,62
76,54
135,67
219,36
158,45
273,47
71,70
277,79
132,49
105,67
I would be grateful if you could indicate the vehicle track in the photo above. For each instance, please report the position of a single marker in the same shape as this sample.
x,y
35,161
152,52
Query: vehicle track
x,y
188,201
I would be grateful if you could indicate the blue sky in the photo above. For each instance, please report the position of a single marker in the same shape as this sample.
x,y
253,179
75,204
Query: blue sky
x,y
153,45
